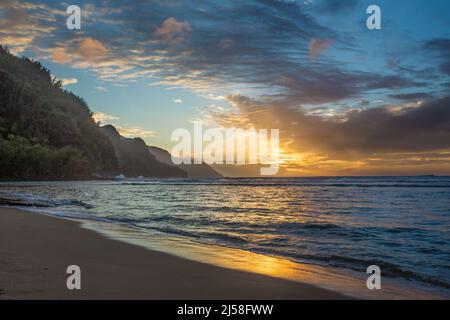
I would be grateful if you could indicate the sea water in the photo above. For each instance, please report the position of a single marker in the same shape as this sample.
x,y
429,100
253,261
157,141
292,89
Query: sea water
x,y
401,224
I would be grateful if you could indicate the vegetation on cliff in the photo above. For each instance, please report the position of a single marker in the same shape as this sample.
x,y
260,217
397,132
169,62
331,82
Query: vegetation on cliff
x,y
46,131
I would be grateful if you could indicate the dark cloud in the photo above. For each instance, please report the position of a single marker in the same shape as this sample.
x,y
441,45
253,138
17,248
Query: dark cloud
x,y
13,15
16,16
259,44
445,68
422,128
268,44
359,134
263,45
439,46
392,82
336,6
440,49
281,51
411,96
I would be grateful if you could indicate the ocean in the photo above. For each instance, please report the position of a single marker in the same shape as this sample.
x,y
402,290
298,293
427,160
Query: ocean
x,y
401,224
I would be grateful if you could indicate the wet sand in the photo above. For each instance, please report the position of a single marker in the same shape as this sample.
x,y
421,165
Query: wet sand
x,y
36,249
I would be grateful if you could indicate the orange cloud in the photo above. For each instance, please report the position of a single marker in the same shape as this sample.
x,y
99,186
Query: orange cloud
x,y
173,31
88,50
59,55
385,140
317,46
91,49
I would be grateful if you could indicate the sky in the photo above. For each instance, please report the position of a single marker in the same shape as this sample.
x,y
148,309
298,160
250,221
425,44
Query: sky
x,y
347,100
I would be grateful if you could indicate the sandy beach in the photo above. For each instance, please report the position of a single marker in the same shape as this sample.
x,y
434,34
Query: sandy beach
x,y
35,251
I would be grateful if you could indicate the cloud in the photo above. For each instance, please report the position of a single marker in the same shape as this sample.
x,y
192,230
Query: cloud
x,y
354,138
135,132
16,16
317,46
126,131
67,82
103,117
101,89
87,51
411,96
266,50
335,6
445,68
173,31
215,97
91,50
440,46
22,23
178,100
261,46
439,49
59,55
393,82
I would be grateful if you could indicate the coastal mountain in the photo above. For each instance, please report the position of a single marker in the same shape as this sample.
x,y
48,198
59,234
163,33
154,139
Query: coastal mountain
x,y
135,158
194,171
46,132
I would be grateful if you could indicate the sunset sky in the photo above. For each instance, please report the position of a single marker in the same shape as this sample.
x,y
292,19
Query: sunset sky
x,y
347,100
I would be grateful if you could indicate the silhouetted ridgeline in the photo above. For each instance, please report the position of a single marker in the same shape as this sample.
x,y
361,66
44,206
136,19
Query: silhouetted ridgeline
x,y
136,160
194,171
47,132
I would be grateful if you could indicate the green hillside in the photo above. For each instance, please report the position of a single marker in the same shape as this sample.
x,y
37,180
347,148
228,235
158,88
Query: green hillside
x,y
46,131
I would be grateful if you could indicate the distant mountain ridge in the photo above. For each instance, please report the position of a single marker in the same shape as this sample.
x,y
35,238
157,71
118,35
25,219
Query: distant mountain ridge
x,y
135,159
194,171
47,132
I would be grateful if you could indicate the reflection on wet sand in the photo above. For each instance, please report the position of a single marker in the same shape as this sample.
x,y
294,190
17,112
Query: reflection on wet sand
x,y
349,283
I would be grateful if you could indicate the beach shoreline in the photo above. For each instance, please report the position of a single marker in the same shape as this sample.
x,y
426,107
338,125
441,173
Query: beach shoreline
x,y
36,249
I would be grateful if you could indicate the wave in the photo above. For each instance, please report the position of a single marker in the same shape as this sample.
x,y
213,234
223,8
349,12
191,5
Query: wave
x,y
294,184
389,270
275,248
29,200
315,238
286,228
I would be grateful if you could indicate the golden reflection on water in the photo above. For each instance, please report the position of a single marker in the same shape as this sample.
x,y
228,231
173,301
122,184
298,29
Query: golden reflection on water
x,y
352,284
